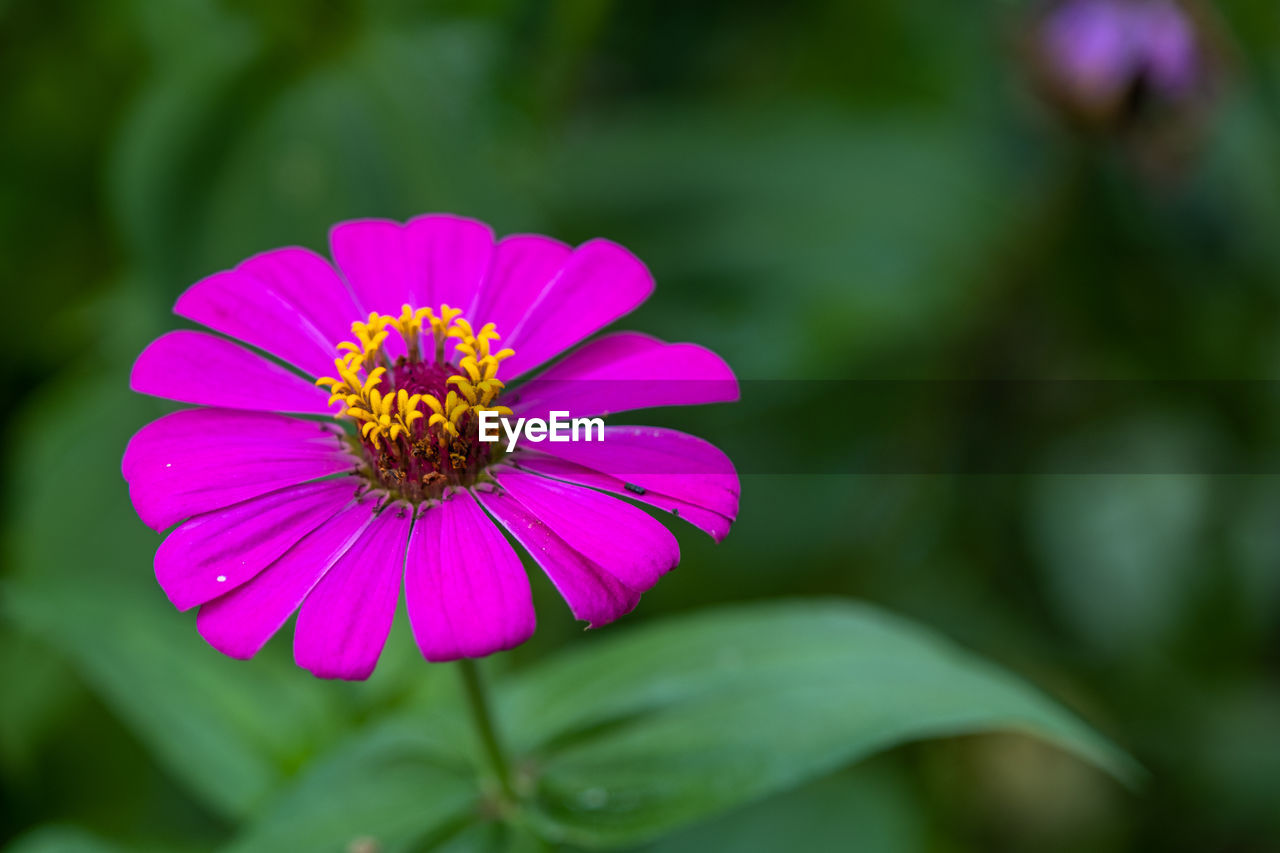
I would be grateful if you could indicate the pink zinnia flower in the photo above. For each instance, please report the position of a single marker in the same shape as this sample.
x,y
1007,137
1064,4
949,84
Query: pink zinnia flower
x,y
281,514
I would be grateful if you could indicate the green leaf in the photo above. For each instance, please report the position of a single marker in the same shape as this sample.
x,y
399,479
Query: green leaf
x,y
393,785
486,838
870,805
634,735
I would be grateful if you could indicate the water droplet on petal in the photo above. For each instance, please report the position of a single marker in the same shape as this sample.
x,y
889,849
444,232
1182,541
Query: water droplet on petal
x,y
222,578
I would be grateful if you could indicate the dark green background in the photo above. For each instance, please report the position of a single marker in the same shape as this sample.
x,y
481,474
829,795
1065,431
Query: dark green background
x,y
823,190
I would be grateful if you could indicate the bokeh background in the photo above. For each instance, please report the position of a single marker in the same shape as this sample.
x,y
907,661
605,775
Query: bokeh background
x,y
864,206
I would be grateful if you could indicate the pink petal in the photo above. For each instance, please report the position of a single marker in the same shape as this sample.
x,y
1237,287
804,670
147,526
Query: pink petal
x,y
198,460
713,523
165,437
195,367
344,622
600,282
466,590
600,354
616,538
593,594
211,554
523,266
618,373
635,548
431,260
667,461
372,257
457,251
240,623
289,302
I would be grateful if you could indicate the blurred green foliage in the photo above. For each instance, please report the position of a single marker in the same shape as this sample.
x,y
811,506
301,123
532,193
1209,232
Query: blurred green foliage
x,y
824,190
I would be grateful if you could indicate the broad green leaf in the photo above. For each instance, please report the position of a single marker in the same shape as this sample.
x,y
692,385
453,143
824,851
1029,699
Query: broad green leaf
x,y
486,837
83,582
866,808
394,786
633,735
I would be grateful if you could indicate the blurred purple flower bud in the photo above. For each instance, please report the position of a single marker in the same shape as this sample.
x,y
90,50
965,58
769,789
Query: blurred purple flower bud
x,y
1172,57
1086,48
1109,60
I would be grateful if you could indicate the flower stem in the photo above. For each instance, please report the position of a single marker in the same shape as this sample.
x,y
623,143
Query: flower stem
x,y
478,705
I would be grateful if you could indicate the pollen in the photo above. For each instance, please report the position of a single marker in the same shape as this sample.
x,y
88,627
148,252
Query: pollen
x,y
415,417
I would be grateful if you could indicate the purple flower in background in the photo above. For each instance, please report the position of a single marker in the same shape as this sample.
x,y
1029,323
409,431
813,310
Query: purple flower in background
x,y
277,514
1100,56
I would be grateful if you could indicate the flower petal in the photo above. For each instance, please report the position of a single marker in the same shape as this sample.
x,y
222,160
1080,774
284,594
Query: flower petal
x,y
168,436
466,590
523,265
593,594
620,550
197,460
195,367
457,252
344,622
433,259
211,554
713,523
240,623
667,461
289,302
598,355
371,255
618,373
600,282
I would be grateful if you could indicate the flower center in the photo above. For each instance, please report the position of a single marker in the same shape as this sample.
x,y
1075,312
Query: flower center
x,y
417,416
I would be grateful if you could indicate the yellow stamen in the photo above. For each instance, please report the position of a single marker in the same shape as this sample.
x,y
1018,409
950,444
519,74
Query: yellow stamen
x,y
362,374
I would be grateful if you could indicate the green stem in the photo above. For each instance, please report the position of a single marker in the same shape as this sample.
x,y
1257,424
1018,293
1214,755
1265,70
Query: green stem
x,y
478,704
